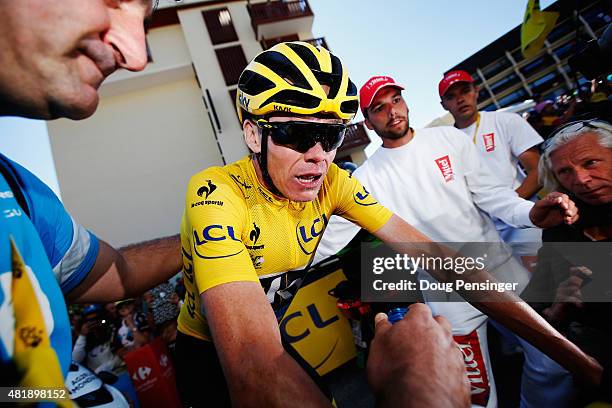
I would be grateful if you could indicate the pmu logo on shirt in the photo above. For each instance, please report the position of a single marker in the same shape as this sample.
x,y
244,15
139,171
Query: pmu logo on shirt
x,y
489,141
306,235
445,166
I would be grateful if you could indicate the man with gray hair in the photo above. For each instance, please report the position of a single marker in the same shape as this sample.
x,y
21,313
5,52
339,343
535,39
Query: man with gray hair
x,y
577,160
572,284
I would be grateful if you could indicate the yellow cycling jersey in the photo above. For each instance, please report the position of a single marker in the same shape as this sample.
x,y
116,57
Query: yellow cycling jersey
x,y
234,229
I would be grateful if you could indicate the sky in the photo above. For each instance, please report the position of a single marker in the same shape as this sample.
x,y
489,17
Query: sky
x,y
26,141
412,41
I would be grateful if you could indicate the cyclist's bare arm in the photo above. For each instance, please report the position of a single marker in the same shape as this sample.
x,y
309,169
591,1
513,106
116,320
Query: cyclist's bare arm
x,y
246,335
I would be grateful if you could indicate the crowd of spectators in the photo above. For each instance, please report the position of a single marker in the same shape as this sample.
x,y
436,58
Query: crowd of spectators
x,y
590,100
104,334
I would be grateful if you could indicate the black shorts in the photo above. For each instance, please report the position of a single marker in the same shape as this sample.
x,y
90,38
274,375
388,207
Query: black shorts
x,y
199,375
200,378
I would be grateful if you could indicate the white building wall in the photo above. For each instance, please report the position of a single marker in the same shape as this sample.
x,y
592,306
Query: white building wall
x,y
210,76
123,172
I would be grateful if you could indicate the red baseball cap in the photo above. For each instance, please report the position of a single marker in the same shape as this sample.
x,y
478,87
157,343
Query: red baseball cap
x,y
369,90
452,77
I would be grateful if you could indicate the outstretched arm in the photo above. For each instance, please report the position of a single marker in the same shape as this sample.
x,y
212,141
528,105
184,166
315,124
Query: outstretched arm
x,y
505,307
246,335
129,271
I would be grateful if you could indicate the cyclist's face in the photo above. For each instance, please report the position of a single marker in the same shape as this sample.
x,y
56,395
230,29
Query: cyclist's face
x,y
460,100
584,168
56,53
299,176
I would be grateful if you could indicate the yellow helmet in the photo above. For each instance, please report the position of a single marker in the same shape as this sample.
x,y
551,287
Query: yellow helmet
x,y
290,78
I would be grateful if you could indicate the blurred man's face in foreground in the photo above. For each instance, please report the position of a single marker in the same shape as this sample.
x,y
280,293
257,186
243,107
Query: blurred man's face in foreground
x,y
56,54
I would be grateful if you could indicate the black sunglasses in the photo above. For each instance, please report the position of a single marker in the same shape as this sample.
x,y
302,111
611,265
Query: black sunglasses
x,y
302,136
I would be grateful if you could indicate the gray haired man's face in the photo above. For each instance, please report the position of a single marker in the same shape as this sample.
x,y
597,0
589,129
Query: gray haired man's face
x,y
583,167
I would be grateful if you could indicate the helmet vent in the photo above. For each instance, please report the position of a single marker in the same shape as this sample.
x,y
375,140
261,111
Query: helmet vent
x,y
351,89
253,83
306,55
349,106
294,98
284,68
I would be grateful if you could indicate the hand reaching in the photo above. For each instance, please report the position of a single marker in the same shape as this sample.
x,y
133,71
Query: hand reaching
x,y
552,210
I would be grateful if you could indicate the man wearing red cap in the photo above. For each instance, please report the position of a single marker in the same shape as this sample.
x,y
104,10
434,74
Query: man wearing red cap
x,y
503,140
435,179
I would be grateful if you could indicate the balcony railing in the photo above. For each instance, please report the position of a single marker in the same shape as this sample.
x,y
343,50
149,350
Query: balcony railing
x,y
267,43
318,41
273,11
356,136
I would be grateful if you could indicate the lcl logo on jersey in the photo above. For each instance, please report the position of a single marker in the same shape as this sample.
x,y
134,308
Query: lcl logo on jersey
x,y
364,198
214,233
445,166
489,141
306,235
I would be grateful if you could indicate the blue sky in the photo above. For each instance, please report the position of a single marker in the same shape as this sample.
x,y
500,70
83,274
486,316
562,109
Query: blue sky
x,y
26,141
412,41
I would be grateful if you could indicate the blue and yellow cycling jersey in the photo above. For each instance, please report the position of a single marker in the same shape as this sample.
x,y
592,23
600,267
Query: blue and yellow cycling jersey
x,y
234,229
55,252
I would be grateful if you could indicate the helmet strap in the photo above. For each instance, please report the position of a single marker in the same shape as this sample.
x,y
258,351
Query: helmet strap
x,y
262,159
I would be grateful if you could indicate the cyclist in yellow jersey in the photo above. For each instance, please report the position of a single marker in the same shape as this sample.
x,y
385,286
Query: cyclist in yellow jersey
x,y
256,223
243,232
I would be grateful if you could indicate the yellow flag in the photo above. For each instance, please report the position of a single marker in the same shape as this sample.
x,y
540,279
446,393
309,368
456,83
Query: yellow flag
x,y
536,27
33,355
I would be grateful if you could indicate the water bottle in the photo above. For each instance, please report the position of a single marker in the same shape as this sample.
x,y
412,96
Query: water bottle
x,y
396,314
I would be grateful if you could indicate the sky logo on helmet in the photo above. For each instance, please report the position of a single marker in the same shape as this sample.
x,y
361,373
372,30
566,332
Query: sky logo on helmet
x,y
244,101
